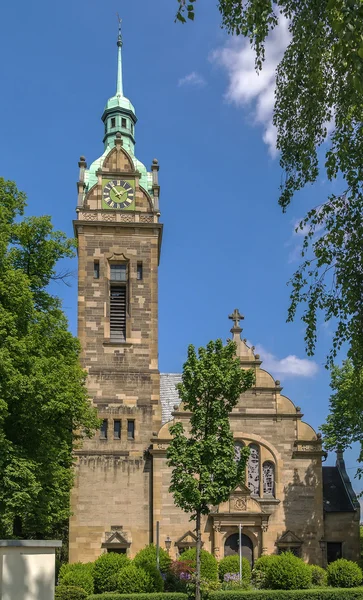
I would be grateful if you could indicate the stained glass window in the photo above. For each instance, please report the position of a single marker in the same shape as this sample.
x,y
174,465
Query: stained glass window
x,y
268,478
254,470
237,450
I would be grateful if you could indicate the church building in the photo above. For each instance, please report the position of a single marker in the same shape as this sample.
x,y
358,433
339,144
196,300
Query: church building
x,y
289,500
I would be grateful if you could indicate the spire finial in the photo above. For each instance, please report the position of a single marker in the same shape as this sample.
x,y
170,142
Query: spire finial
x,y
236,317
119,90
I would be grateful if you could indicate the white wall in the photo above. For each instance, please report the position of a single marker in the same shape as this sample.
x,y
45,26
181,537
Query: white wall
x,y
27,572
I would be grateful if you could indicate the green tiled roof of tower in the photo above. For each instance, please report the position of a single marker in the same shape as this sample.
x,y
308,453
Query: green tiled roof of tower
x,y
119,116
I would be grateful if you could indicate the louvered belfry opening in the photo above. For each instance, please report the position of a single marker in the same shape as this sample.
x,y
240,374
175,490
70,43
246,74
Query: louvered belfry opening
x,y
118,302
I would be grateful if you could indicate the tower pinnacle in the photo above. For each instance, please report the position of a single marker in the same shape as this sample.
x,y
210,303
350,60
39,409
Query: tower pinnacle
x,y
119,89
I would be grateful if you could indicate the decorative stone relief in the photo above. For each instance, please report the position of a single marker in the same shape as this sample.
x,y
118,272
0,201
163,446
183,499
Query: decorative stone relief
x,y
109,217
127,218
240,504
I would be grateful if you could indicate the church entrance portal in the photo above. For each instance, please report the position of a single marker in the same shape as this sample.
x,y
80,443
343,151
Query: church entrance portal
x,y
231,546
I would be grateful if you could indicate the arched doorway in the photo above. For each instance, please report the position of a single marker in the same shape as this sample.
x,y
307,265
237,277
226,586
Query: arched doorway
x,y
231,546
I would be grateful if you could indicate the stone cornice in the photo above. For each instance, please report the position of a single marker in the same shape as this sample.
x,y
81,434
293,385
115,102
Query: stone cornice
x,y
245,415
100,452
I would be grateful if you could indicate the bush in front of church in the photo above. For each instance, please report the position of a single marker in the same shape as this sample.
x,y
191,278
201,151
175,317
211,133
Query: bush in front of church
x,y
78,575
147,556
260,570
133,580
208,563
106,568
344,574
70,592
230,565
318,576
288,572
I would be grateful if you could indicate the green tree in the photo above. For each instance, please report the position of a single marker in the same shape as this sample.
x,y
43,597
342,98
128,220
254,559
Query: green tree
x,y
319,87
44,408
344,424
204,469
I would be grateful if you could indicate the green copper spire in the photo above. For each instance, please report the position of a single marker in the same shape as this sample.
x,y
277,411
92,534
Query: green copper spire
x,y
119,90
119,118
119,114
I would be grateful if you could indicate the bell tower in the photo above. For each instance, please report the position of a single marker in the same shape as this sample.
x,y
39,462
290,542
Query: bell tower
x,y
119,243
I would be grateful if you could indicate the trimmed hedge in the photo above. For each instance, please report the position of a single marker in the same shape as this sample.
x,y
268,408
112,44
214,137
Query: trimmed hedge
x,y
230,564
70,592
344,574
147,556
208,563
161,596
312,594
106,569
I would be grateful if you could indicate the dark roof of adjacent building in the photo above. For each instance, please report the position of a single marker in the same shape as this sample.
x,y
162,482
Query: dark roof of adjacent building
x,y
169,396
336,497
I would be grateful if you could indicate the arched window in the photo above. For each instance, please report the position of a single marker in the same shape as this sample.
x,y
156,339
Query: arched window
x,y
254,470
268,471
237,450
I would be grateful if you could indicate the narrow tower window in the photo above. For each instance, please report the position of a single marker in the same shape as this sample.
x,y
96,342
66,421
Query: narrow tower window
x,y
123,123
118,302
117,429
113,122
118,272
268,472
139,271
132,128
96,269
130,430
103,430
253,470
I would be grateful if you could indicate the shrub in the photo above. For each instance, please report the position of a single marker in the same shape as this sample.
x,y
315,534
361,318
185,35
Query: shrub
x,y
77,566
70,592
318,576
288,572
78,575
230,564
260,569
131,580
344,573
208,563
105,569
147,556
157,582
179,574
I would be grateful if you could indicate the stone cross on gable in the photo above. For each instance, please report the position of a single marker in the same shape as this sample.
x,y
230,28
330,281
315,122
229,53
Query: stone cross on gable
x,y
236,317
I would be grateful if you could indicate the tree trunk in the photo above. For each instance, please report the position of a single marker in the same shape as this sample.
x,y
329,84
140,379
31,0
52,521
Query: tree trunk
x,y
199,544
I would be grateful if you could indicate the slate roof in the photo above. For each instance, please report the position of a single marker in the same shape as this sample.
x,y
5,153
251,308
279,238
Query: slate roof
x,y
335,495
168,394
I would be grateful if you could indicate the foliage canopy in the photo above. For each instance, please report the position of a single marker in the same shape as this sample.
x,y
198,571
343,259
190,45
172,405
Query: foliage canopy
x,y
318,115
44,408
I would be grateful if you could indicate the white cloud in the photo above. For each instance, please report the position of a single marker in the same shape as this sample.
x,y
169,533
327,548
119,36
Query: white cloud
x,y
290,366
248,88
193,79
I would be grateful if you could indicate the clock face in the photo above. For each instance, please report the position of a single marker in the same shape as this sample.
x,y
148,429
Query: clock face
x,y
118,193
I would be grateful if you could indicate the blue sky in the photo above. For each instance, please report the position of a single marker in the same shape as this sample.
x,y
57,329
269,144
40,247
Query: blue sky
x,y
206,117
